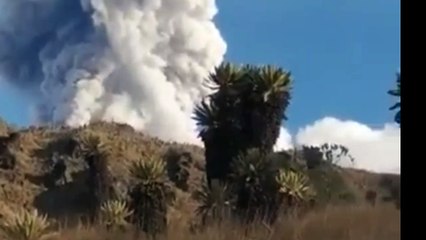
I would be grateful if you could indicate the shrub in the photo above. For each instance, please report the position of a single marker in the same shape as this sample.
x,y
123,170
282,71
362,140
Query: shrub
x,y
150,196
26,225
114,214
178,167
215,203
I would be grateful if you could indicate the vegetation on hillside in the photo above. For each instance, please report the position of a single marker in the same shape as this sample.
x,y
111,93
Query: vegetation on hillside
x,y
245,111
111,178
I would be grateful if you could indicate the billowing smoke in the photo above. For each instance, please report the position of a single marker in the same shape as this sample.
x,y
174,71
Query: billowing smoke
x,y
140,62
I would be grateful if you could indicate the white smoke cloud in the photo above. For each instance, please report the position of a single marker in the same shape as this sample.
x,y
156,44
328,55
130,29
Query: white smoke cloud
x,y
131,61
284,141
141,63
161,51
373,149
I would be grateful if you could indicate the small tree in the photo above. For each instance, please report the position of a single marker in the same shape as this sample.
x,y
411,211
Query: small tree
x,y
334,153
312,155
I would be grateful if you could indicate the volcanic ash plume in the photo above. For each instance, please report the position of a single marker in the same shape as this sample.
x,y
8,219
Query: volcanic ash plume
x,y
140,62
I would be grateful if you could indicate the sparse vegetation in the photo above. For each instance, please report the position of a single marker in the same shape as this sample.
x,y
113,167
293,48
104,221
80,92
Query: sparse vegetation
x,y
140,186
331,223
25,225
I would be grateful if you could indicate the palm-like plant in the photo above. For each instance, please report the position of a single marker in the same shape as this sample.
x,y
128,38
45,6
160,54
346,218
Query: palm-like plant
x,y
272,81
250,166
245,112
397,93
294,185
91,144
100,180
215,202
148,170
151,195
207,119
225,76
26,225
217,127
253,182
265,104
114,213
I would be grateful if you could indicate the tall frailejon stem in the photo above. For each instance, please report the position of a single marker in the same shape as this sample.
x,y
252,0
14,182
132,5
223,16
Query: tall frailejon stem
x,y
245,111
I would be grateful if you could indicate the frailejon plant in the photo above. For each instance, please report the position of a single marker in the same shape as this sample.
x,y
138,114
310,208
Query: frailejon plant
x,y
245,110
26,225
100,180
255,188
295,186
215,203
114,214
151,195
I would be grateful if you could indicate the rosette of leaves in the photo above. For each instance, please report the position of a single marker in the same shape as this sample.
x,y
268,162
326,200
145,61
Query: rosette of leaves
x,y
115,214
294,186
91,144
151,195
215,203
263,106
255,187
26,225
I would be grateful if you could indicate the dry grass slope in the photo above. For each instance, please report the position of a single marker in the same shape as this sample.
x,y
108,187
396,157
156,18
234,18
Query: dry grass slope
x,y
332,223
33,148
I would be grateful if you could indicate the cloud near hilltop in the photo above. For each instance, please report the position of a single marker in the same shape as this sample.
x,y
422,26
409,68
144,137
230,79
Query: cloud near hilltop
x,y
374,149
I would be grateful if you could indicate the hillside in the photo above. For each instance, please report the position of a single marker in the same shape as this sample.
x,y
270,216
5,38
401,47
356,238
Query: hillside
x,y
32,150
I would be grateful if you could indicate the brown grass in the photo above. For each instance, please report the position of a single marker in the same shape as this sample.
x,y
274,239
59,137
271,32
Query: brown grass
x,y
333,223
34,146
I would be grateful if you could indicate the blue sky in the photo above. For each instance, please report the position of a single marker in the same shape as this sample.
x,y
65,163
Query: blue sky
x,y
343,55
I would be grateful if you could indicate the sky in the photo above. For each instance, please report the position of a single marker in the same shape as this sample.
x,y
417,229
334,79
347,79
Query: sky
x,y
343,56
